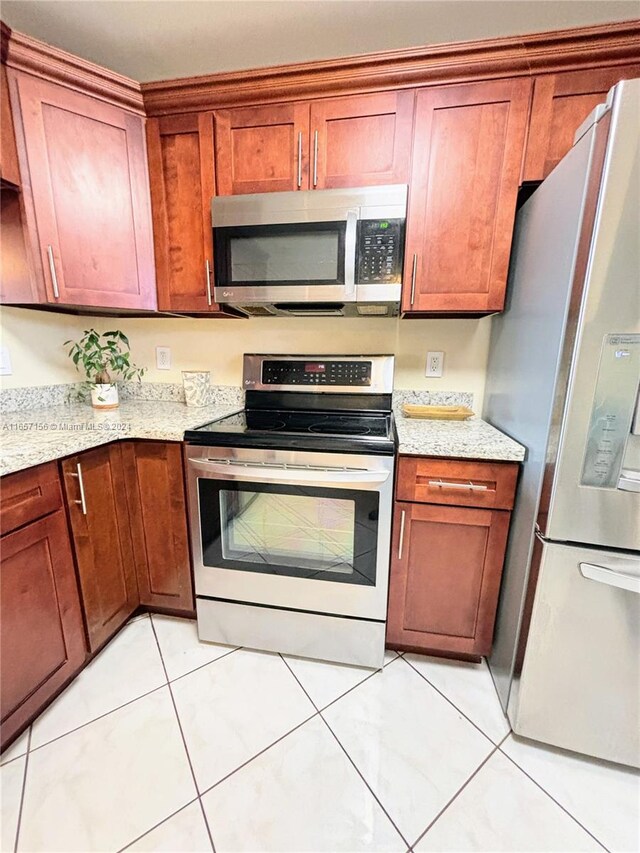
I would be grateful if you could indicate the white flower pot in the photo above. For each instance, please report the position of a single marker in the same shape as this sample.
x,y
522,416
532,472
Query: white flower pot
x,y
104,396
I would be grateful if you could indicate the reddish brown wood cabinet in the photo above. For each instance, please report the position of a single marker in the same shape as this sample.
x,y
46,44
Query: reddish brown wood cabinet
x,y
85,182
333,142
181,170
42,640
99,516
158,517
561,102
9,169
446,559
467,152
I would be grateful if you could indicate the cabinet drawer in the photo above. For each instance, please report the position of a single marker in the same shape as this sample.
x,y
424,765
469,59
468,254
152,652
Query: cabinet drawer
x,y
28,495
457,483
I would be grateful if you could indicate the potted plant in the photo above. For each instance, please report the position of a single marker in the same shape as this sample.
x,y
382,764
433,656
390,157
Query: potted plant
x,y
104,357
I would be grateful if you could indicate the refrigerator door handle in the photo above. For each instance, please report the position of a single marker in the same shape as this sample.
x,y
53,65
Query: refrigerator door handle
x,y
629,480
610,577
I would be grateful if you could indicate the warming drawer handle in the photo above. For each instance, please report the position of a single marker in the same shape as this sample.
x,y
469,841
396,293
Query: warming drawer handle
x,y
319,476
610,577
471,487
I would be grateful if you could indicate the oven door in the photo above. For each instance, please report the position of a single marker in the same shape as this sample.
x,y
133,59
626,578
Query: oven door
x,y
308,531
297,261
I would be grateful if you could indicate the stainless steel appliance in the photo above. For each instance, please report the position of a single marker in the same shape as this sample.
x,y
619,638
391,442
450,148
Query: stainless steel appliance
x,y
564,371
316,252
290,505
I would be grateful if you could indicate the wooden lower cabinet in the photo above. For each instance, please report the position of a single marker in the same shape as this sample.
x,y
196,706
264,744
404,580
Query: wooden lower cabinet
x,y
42,639
158,518
99,516
445,577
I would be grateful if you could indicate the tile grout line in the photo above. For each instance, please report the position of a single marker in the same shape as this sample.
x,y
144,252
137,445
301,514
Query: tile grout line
x,y
377,672
184,740
202,665
369,788
455,796
22,793
156,825
551,797
366,678
453,705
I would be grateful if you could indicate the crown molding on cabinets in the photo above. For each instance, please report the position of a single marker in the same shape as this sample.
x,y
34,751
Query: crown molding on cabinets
x,y
50,63
562,50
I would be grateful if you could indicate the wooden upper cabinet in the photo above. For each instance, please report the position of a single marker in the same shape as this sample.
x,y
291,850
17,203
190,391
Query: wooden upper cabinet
x,y
89,192
561,102
9,169
181,170
467,152
362,140
99,516
158,517
262,149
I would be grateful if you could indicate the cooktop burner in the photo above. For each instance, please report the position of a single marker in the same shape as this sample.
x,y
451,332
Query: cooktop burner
x,y
282,428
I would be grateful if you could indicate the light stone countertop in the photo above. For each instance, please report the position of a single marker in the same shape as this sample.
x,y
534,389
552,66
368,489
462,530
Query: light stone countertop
x,y
35,436
472,439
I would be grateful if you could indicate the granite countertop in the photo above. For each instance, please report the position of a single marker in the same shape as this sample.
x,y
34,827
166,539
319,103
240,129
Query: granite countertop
x,y
472,439
31,437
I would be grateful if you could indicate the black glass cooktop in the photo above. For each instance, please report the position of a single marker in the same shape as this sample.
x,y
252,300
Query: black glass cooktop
x,y
359,431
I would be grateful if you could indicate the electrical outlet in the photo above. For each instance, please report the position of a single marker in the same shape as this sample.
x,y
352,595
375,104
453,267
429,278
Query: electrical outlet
x,y
163,358
5,362
435,361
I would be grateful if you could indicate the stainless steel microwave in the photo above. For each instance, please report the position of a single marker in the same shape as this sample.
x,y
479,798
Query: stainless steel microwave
x,y
316,252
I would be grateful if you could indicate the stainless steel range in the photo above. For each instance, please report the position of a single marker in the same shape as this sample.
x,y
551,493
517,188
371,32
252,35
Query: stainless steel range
x,y
290,505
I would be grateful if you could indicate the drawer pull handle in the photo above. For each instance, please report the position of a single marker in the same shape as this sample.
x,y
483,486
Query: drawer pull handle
x,y
471,487
401,540
82,501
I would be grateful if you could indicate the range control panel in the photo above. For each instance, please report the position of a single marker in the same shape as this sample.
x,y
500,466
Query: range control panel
x,y
380,251
351,373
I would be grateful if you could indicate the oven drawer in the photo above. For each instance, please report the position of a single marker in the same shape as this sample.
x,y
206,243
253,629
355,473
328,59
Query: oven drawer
x,y
456,482
28,495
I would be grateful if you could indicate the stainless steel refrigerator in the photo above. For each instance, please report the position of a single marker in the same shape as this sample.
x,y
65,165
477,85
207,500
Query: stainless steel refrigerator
x,y
563,377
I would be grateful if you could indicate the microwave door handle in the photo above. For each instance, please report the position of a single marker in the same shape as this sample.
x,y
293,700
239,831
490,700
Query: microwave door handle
x,y
350,255
344,478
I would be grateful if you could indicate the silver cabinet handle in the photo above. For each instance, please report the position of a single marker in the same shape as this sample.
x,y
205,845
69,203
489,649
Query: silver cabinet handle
x,y
414,269
299,159
401,540
315,158
472,487
82,501
208,274
610,577
52,270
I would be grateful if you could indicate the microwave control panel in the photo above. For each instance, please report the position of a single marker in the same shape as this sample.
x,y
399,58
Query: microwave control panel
x,y
380,251
328,372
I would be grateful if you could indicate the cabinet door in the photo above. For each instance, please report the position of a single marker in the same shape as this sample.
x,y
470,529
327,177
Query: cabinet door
x,y
98,512
361,140
89,188
561,102
9,170
262,149
41,630
158,517
445,577
467,151
181,169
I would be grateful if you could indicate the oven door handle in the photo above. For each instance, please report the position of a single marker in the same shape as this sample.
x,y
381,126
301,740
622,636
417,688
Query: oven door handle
x,y
344,478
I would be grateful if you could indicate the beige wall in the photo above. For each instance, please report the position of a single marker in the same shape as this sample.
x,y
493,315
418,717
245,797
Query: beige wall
x,y
35,340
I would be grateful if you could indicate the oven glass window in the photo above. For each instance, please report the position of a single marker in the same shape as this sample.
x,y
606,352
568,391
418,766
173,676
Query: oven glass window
x,y
286,258
311,532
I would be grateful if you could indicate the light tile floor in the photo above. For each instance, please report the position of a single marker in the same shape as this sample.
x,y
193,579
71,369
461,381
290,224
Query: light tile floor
x,y
167,744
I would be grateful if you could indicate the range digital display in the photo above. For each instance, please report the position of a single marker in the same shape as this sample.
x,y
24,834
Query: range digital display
x,y
314,367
